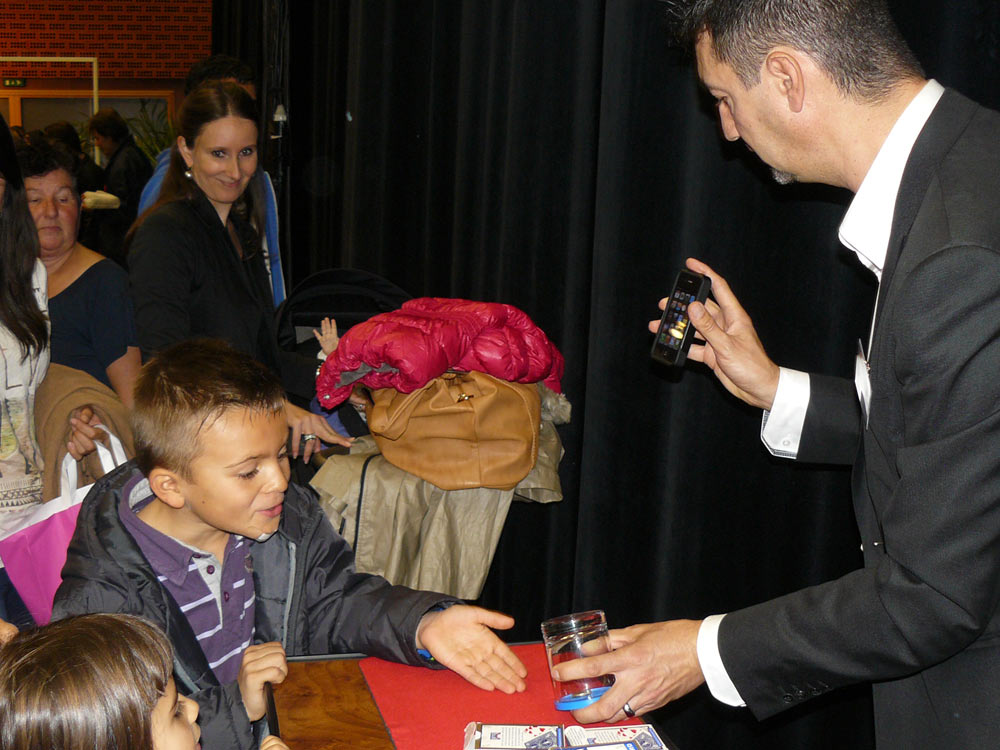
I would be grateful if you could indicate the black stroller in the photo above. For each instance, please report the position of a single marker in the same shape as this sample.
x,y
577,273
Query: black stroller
x,y
349,296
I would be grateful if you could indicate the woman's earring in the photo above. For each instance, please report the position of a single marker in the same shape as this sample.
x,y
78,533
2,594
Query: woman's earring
x,y
187,173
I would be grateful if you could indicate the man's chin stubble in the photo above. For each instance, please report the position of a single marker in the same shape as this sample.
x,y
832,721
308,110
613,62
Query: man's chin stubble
x,y
782,178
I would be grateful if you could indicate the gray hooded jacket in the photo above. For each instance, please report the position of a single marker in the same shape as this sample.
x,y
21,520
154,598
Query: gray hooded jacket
x,y
309,597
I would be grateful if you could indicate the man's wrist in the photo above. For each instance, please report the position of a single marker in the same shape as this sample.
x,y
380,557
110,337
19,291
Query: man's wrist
x,y
781,427
710,661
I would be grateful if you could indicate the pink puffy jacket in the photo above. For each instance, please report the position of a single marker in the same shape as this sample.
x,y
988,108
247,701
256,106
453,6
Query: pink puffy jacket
x,y
406,348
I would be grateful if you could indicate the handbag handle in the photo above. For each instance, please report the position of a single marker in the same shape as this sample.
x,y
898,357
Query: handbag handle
x,y
110,459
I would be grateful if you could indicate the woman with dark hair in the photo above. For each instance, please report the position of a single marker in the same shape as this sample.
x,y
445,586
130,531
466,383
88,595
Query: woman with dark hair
x,y
89,179
89,176
195,263
24,355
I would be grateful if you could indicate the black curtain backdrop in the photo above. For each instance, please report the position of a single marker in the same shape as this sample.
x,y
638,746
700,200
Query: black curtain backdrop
x,y
559,156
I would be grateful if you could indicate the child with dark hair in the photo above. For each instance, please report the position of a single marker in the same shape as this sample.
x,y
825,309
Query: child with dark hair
x,y
203,534
95,681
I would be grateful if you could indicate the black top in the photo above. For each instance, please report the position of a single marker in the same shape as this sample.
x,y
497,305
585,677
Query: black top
x,y
89,176
92,321
188,281
127,172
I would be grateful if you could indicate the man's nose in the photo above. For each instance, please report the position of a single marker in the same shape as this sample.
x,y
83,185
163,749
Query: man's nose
x,y
728,123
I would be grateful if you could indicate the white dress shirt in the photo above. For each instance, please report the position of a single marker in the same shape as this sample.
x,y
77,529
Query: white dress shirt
x,y
864,230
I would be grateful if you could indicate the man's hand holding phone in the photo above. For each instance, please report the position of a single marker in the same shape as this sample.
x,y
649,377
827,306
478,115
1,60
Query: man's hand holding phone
x,y
674,334
731,347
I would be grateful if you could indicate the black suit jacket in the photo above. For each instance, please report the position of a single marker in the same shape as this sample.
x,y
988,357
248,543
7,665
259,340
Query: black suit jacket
x,y
920,619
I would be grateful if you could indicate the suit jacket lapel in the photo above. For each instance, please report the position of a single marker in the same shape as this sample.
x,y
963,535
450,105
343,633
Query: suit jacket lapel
x,y
946,123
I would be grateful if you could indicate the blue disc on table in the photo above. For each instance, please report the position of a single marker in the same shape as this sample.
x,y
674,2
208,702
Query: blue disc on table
x,y
573,702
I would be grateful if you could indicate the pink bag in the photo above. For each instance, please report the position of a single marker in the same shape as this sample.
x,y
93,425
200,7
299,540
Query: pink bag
x,y
34,555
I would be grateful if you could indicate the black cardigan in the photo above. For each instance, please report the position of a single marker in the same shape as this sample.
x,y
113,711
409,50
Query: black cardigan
x,y
187,280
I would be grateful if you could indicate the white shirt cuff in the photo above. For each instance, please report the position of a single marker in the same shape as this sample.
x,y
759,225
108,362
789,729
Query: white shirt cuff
x,y
710,660
781,427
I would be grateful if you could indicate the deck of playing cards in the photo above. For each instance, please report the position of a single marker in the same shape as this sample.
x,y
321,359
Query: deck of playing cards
x,y
480,736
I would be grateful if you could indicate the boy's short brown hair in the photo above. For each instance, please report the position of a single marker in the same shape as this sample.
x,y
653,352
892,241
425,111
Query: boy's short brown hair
x,y
184,389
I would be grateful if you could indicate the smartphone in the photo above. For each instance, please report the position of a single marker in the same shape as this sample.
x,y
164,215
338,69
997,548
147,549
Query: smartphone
x,y
673,338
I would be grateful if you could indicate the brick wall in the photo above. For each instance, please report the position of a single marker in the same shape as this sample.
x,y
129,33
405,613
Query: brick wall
x,y
154,39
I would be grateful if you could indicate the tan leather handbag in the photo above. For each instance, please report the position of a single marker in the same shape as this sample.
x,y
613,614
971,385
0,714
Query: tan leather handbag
x,y
461,430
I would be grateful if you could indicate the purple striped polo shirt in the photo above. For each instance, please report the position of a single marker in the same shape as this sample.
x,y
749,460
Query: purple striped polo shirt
x,y
217,600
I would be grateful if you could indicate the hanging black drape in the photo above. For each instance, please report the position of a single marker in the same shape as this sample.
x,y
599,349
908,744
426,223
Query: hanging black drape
x,y
558,156
475,105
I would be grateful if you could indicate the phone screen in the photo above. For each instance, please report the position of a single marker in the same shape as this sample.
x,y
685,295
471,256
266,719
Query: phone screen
x,y
675,333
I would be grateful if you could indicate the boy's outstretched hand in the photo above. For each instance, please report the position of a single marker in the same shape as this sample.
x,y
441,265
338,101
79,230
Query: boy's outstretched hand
x,y
460,638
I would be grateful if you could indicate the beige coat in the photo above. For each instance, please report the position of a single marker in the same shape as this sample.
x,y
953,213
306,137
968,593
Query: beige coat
x,y
63,390
416,534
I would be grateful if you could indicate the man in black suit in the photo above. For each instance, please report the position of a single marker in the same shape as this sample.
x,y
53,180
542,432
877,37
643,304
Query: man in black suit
x,y
827,91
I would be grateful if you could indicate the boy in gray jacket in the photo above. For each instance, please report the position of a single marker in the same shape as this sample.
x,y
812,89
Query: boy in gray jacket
x,y
203,535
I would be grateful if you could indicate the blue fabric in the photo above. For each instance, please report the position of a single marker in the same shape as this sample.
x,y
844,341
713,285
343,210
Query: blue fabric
x,y
92,320
332,417
271,235
152,191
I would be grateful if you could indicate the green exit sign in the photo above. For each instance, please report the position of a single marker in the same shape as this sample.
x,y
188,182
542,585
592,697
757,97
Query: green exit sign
x,y
14,83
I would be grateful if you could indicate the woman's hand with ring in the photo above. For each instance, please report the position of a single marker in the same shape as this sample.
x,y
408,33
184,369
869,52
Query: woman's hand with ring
x,y
308,429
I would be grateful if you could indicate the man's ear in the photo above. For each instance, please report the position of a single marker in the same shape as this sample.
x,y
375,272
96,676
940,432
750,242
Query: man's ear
x,y
167,486
785,71
186,154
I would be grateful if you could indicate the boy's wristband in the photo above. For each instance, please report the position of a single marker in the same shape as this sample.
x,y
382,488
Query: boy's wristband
x,y
423,652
